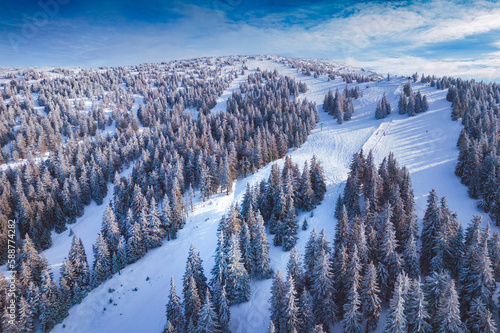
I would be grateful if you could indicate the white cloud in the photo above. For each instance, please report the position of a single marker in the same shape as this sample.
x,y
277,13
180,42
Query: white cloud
x,y
473,23
487,68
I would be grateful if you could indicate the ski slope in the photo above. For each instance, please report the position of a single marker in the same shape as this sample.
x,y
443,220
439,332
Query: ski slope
x,y
135,300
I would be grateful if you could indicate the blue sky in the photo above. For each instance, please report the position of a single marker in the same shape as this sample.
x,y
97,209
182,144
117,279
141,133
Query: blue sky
x,y
459,38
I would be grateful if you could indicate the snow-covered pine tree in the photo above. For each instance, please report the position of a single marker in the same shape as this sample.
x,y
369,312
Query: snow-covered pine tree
x,y
136,248
476,274
75,270
448,311
317,180
305,196
25,321
341,230
223,308
431,224
102,266
174,309
194,268
48,303
238,280
390,260
480,318
290,224
402,104
351,197
246,249
260,249
370,298
323,291
352,308
208,321
396,318
349,109
294,270
277,301
166,216
411,258
372,183
153,233
305,317
291,310
416,309
192,304
110,230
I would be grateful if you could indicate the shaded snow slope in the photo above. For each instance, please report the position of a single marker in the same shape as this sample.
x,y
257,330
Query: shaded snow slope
x,y
425,144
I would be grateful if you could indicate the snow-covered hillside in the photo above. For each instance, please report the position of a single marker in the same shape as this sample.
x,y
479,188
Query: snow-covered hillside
x,y
134,300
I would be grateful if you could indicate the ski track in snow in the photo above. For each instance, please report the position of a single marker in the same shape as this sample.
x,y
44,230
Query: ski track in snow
x,y
426,144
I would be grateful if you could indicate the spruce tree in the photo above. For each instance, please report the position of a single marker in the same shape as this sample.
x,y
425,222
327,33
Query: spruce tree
x,y
238,281
174,309
102,266
431,225
396,318
416,309
323,291
260,249
305,317
352,310
291,310
75,270
223,309
294,270
110,230
192,304
25,321
153,233
277,301
48,303
448,311
480,318
136,247
208,321
194,268
370,298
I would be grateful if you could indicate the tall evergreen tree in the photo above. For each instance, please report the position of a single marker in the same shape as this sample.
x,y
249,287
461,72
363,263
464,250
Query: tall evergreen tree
x,y
75,270
480,318
305,315
102,266
431,225
370,298
352,311
396,319
278,293
291,310
416,309
322,291
192,304
448,311
208,322
238,281
174,309
194,268
260,249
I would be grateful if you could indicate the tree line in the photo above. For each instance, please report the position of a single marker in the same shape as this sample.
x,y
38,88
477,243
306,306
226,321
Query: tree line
x,y
341,106
476,104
